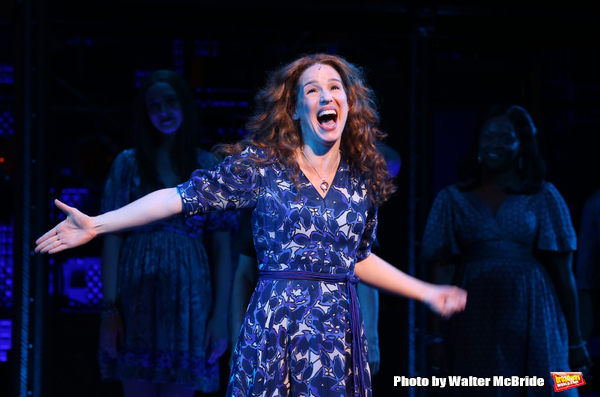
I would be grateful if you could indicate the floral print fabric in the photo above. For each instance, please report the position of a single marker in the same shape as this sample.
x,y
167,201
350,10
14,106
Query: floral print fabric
x,y
295,339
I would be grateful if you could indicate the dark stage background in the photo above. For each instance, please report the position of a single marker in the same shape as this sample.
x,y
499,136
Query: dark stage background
x,y
68,74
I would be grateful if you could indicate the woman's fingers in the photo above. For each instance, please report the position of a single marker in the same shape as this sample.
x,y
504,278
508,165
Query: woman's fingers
x,y
50,242
62,206
109,345
450,299
46,242
51,245
111,335
217,349
75,230
455,302
57,246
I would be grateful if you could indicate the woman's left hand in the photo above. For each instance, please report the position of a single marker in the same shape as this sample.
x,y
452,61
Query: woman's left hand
x,y
579,359
446,299
77,229
215,340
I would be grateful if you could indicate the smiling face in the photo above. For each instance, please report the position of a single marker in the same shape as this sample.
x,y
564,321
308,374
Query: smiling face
x,y
164,108
498,144
321,107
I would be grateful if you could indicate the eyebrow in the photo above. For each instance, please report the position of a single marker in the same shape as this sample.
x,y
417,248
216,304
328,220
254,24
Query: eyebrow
x,y
314,82
497,131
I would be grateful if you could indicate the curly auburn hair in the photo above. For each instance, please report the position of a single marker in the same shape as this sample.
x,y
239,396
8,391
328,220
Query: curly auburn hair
x,y
532,168
275,131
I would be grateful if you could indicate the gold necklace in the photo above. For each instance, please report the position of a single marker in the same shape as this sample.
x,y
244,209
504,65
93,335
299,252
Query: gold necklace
x,y
324,185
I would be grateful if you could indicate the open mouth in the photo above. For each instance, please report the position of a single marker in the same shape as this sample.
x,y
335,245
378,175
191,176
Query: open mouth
x,y
327,118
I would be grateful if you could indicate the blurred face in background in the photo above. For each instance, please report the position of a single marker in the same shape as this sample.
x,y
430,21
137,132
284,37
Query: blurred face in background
x,y
498,144
164,108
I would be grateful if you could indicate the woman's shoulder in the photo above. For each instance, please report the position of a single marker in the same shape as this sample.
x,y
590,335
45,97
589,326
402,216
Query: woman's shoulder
x,y
127,154
254,151
259,157
453,191
446,198
204,158
550,197
250,159
242,150
548,189
207,159
125,158
593,202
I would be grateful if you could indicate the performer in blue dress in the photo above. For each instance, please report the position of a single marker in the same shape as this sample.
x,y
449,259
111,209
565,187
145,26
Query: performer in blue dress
x,y
162,331
313,178
510,237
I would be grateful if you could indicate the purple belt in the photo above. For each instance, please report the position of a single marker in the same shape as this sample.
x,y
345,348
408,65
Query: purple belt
x,y
351,280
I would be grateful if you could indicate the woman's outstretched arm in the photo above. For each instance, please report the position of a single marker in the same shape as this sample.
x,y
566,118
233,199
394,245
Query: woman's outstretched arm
x,y
443,299
78,228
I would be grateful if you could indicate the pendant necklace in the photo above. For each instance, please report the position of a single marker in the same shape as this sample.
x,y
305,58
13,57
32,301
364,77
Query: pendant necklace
x,y
324,185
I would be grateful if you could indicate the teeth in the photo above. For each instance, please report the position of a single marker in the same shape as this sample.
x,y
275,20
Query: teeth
x,y
324,112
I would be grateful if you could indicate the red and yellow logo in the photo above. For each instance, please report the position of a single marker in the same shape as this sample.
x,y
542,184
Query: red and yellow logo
x,y
567,380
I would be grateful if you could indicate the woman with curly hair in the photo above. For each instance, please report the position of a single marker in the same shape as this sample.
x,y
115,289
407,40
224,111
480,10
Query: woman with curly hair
x,y
313,179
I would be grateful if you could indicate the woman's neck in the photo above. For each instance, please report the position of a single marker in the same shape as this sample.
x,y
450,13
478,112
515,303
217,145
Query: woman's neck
x,y
501,180
323,152
166,143
322,159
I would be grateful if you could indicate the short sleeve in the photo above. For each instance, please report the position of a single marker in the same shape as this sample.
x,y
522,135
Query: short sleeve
x,y
233,184
368,236
439,240
556,232
117,190
588,252
216,221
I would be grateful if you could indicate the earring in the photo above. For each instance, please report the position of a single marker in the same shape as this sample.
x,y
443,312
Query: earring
x,y
478,159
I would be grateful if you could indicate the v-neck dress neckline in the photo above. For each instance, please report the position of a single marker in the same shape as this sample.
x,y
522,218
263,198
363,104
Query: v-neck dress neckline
x,y
333,181
480,206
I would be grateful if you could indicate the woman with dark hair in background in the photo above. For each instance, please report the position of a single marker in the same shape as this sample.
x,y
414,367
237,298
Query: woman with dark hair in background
x,y
510,237
160,334
312,176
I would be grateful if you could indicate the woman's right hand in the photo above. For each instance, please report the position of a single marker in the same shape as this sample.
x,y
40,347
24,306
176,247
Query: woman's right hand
x,y
112,335
75,230
445,300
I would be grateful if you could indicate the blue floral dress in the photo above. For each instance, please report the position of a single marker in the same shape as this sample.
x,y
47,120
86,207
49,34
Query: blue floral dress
x,y
296,337
513,324
164,290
